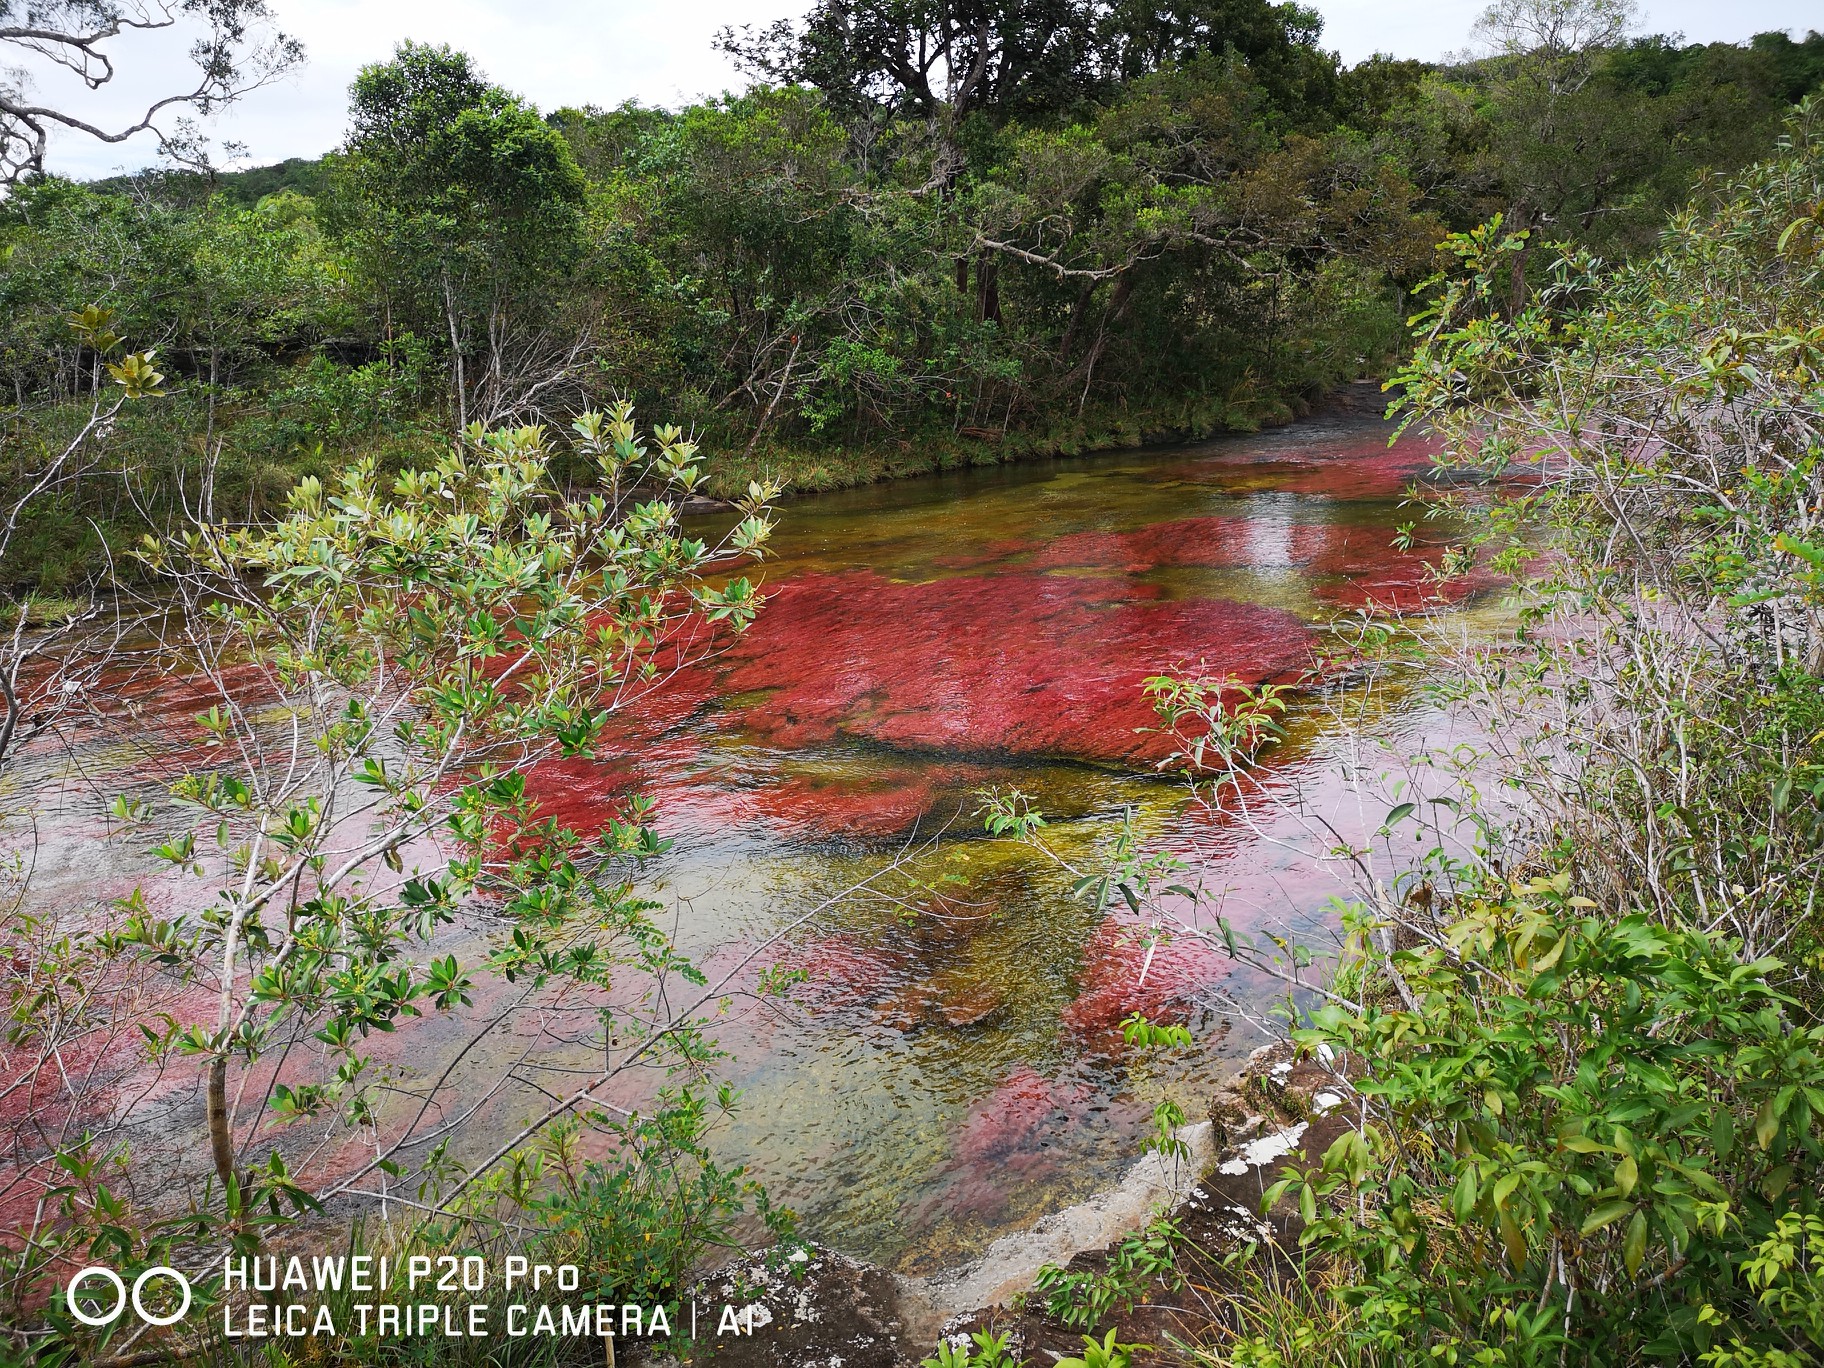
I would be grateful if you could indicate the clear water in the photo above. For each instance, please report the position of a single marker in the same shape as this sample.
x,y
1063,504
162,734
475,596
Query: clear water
x,y
951,1067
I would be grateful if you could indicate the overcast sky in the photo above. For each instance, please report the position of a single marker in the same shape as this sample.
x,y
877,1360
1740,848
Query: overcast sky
x,y
559,52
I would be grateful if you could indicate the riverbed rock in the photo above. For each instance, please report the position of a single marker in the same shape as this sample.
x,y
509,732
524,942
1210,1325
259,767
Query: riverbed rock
x,y
806,1306
819,1309
905,1009
1220,1212
964,1002
952,1000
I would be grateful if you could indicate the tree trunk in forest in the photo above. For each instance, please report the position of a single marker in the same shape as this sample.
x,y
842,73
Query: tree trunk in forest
x,y
1520,221
1077,311
462,391
1117,306
773,403
221,1143
987,290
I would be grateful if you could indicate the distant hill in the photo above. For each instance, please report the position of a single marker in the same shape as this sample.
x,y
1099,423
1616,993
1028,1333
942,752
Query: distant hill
x,y
306,175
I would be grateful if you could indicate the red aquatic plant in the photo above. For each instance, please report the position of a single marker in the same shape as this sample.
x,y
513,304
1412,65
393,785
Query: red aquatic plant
x,y
1017,663
1018,1116
1126,972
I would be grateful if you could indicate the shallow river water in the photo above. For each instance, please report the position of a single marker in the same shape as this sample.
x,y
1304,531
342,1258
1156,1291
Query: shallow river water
x,y
951,1066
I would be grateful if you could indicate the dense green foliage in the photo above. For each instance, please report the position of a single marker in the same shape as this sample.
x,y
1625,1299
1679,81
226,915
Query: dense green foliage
x,y
1132,220
1578,1024
1593,1092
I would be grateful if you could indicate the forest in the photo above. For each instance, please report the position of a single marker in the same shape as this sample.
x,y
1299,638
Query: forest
x,y
505,763
1122,223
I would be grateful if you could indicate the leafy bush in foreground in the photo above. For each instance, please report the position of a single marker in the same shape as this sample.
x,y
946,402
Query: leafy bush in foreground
x,y
1586,1133
1596,1092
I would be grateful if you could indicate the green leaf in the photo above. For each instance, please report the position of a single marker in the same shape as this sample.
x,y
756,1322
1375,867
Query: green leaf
x,y
1513,1239
1504,1188
1766,1124
1803,550
1634,1244
1606,1214
1582,1144
1549,960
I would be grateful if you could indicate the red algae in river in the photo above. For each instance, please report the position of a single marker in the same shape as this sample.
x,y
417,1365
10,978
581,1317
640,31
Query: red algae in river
x,y
1016,663
1344,467
1118,979
1016,1116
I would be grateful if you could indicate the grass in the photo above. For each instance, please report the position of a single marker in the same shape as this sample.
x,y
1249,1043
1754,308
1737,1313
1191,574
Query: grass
x,y
822,468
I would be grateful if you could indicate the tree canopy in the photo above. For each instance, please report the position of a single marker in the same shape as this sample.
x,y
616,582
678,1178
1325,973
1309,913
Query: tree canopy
x,y
932,232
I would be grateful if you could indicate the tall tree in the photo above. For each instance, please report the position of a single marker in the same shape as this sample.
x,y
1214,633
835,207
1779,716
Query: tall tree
x,y
1562,37
1021,58
1550,128
469,204
1278,42
922,57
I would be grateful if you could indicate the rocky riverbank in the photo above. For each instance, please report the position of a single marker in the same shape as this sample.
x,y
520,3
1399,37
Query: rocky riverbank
x,y
821,1308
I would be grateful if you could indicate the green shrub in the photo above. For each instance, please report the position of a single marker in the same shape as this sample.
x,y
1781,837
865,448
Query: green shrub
x,y
1583,1133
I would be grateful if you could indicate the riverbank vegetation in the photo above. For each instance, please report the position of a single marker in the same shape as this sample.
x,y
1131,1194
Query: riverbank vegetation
x,y
910,244
1648,1186
1576,1025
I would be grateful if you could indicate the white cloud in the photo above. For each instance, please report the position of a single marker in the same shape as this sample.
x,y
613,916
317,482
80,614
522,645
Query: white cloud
x,y
1429,29
554,52
558,52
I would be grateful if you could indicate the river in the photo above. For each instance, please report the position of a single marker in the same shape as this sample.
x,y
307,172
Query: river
x,y
949,1066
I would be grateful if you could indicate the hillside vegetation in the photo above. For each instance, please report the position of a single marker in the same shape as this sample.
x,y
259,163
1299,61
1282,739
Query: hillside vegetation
x,y
1176,220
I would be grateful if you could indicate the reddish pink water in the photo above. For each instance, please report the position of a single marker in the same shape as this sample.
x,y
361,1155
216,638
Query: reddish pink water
x,y
954,1065
951,1066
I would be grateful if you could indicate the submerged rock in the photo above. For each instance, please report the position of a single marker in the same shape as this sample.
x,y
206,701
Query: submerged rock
x,y
970,1004
1258,1126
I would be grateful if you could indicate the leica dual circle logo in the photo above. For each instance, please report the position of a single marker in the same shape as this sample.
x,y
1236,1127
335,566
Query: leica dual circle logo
x,y
97,1274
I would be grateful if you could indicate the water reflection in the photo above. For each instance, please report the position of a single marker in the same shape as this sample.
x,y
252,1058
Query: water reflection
x,y
951,1067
